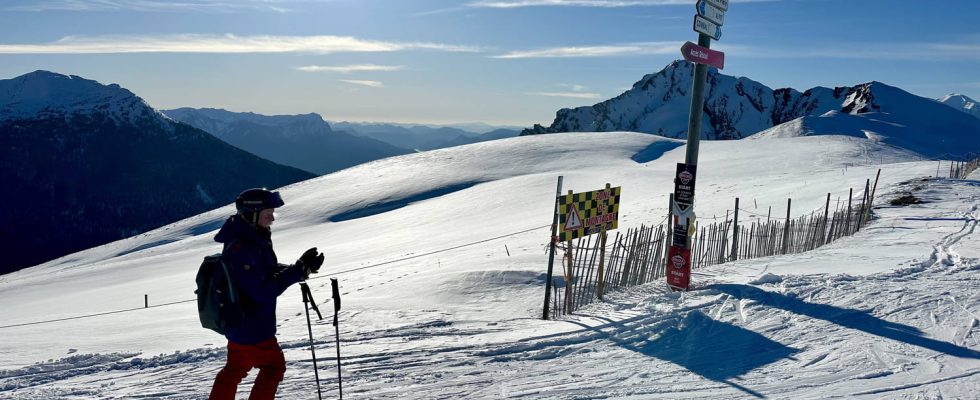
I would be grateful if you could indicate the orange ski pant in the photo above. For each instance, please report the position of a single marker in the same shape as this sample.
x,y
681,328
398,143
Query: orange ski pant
x,y
266,356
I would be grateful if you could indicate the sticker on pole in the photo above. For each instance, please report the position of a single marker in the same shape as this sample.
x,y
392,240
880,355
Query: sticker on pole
x,y
703,55
684,185
679,268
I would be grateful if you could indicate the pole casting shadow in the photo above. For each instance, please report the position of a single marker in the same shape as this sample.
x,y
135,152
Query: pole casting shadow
x,y
712,349
848,318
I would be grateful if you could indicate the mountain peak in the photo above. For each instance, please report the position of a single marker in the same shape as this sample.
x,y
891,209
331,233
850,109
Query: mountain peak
x,y
962,103
45,94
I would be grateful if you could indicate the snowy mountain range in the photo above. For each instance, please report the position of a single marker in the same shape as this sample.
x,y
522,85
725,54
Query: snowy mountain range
x,y
739,107
420,137
962,103
900,119
95,163
303,141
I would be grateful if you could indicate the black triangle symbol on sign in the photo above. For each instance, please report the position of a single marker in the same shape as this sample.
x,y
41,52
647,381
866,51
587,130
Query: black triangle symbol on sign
x,y
573,221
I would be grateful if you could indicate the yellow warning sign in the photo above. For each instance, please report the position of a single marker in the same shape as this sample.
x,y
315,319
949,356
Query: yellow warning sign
x,y
573,220
582,214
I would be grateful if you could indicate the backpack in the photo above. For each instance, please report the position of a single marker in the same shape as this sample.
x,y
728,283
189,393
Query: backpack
x,y
218,301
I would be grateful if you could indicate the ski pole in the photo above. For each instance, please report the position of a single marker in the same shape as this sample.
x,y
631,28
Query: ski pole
x,y
336,309
308,300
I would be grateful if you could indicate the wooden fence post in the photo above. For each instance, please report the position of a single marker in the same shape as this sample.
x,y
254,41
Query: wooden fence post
x,y
823,230
735,233
789,202
864,203
871,199
669,239
601,283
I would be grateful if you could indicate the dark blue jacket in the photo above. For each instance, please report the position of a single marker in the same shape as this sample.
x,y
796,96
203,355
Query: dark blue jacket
x,y
258,275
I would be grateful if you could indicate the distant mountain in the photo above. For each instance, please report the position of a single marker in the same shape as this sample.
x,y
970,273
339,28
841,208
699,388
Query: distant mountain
x,y
302,141
735,108
660,104
419,137
899,118
481,127
962,103
486,137
85,164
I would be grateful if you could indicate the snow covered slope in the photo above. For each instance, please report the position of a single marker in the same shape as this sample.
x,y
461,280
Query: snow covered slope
x,y
433,309
892,116
962,103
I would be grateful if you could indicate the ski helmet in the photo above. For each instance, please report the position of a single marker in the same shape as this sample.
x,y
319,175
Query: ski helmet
x,y
250,202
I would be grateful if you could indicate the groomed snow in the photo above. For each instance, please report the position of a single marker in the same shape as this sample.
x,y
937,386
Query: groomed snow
x,y
890,312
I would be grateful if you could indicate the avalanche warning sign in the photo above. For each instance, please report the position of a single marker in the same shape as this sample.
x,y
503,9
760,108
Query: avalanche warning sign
x,y
583,214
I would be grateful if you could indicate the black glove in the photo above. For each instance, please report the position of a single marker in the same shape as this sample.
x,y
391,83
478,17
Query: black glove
x,y
310,262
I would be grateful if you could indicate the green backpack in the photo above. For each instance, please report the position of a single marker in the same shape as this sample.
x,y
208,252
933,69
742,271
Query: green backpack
x,y
218,301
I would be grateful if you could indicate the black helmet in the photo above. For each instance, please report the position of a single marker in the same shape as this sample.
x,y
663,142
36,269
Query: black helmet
x,y
251,201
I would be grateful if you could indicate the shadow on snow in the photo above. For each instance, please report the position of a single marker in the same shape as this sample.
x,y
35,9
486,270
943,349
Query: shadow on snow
x,y
380,208
715,350
848,318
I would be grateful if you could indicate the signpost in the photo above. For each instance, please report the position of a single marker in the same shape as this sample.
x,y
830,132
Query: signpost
x,y
583,214
711,13
707,22
577,215
703,55
705,27
720,4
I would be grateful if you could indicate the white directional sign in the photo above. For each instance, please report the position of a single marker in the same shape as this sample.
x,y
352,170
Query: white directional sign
x,y
720,4
711,13
706,27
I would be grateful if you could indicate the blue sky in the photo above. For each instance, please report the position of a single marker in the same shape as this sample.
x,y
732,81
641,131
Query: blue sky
x,y
510,62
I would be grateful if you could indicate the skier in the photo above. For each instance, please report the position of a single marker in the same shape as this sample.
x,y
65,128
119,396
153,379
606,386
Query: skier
x,y
255,271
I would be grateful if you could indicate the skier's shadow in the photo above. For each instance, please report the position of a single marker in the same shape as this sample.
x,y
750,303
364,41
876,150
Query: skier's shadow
x,y
848,318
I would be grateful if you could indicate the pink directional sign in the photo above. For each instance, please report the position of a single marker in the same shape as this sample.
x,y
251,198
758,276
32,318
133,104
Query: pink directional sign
x,y
701,55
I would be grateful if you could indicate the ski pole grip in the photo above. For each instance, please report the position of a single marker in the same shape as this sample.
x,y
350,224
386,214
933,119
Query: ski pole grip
x,y
336,299
336,294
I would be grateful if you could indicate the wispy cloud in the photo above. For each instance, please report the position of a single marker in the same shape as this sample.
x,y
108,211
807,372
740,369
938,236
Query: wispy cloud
x,y
598,51
374,84
346,69
573,3
574,87
916,51
216,6
574,95
586,3
193,43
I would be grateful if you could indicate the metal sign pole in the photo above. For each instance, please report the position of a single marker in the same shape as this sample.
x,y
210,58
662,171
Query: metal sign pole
x,y
707,23
697,107
551,254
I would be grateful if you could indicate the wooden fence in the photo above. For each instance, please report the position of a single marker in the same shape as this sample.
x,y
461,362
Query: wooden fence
x,y
638,256
962,169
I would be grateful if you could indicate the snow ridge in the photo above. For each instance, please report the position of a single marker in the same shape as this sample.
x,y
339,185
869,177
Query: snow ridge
x,y
43,95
